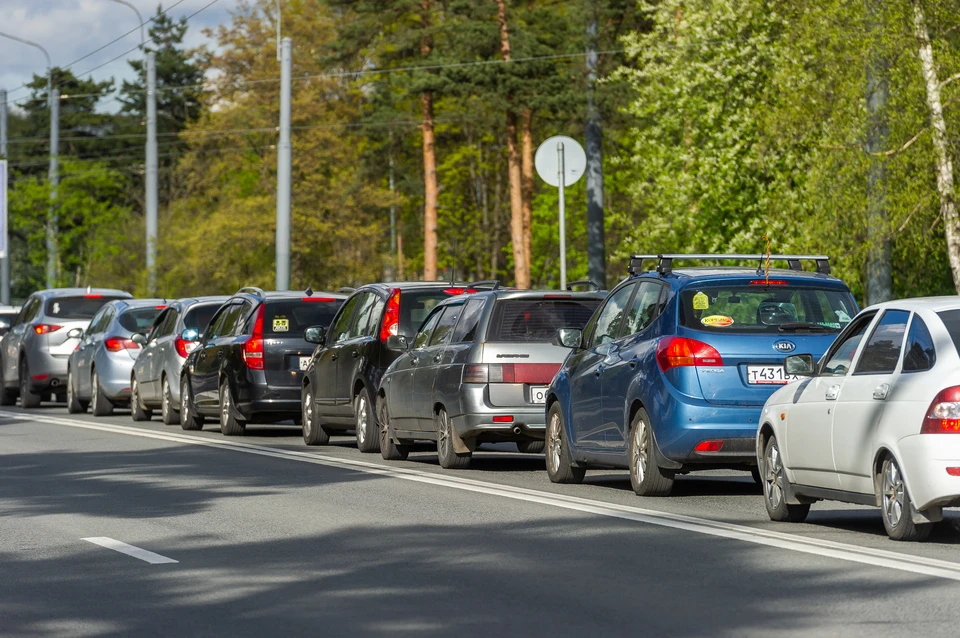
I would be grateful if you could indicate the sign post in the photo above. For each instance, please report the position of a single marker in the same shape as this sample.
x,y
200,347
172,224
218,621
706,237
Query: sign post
x,y
4,240
560,161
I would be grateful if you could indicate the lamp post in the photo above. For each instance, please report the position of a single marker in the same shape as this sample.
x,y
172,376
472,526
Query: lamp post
x,y
54,105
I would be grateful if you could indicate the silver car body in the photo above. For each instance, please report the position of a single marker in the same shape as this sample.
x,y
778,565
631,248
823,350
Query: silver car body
x,y
112,368
432,375
44,354
159,359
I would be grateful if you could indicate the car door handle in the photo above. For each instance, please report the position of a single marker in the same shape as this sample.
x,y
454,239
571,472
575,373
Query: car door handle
x,y
334,357
832,393
880,393
436,359
597,372
414,361
355,354
633,363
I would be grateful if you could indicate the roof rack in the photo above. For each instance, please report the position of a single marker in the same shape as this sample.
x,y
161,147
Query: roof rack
x,y
252,289
583,282
490,284
665,262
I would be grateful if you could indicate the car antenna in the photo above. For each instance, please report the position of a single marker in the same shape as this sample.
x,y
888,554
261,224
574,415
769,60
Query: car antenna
x,y
88,290
309,291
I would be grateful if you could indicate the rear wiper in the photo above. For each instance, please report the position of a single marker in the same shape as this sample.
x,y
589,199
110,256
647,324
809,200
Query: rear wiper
x,y
803,325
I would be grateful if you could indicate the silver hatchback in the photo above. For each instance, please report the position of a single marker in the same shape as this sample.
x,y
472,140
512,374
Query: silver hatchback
x,y
34,353
478,370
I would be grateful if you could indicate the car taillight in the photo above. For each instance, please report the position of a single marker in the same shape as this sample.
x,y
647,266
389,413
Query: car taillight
x,y
943,417
253,347
532,373
769,282
46,328
320,299
184,347
459,291
117,344
93,296
391,316
674,352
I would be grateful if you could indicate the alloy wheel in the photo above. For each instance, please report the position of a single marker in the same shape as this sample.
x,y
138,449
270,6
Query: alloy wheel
x,y
69,388
185,403
95,390
165,402
640,450
554,443
224,404
443,439
362,419
892,494
773,477
308,414
134,394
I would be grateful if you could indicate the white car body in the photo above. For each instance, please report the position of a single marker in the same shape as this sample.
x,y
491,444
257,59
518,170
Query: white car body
x,y
833,432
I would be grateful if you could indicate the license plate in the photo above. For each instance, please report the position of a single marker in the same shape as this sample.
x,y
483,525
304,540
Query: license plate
x,y
768,375
305,362
538,394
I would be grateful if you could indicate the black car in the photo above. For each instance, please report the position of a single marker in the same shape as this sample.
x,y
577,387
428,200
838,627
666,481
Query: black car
x,y
344,375
248,363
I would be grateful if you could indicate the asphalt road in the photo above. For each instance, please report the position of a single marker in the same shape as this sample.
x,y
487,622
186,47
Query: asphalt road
x,y
270,537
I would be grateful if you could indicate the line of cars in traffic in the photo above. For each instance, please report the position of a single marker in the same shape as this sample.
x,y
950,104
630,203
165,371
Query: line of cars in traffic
x,y
674,370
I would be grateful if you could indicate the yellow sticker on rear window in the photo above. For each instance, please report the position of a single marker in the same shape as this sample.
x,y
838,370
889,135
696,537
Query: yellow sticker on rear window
x,y
700,301
281,324
717,321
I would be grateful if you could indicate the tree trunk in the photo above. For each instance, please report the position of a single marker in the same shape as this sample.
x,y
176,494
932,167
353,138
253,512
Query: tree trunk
x,y
948,206
497,217
430,188
521,269
526,177
596,247
879,271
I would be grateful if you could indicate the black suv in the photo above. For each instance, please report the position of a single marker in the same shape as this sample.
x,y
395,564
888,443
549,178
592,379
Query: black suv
x,y
249,360
344,374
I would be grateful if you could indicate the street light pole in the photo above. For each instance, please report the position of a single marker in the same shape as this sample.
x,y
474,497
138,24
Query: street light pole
x,y
5,260
284,169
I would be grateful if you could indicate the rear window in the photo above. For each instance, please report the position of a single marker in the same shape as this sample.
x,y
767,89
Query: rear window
x,y
537,320
75,307
774,309
138,319
951,319
415,306
292,318
199,316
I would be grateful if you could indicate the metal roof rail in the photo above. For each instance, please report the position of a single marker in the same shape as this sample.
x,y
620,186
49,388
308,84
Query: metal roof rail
x,y
665,262
583,282
490,284
346,290
251,289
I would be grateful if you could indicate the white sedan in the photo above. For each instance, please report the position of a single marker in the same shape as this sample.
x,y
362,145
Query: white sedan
x,y
876,421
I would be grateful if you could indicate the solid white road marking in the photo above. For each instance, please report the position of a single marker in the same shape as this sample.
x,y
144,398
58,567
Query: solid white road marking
x,y
830,549
129,550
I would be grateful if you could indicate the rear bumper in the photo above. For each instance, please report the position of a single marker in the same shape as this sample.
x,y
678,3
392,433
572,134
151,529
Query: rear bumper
x,y
53,369
684,422
924,459
114,370
476,418
260,402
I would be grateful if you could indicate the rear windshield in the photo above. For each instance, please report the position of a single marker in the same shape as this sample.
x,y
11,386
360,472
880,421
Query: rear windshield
x,y
138,319
75,307
199,315
760,309
951,319
292,318
537,320
416,305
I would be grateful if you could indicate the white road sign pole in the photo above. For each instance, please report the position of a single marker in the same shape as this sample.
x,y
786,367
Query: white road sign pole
x,y
560,162
561,178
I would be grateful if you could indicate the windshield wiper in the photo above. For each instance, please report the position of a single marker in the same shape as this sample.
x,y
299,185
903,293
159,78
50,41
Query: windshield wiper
x,y
803,325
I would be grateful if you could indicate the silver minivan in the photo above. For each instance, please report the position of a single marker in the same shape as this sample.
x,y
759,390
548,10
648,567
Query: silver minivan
x,y
478,371
156,373
34,353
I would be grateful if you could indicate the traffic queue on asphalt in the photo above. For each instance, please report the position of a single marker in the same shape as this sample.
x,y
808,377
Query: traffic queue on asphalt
x,y
769,370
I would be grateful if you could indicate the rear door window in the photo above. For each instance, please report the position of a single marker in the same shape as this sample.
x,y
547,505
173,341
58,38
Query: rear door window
x,y
75,307
644,308
138,319
536,320
290,318
198,316
610,320
882,352
359,326
920,353
341,328
466,330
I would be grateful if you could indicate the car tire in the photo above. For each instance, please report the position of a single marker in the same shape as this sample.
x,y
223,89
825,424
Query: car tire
x,y
189,419
229,424
775,485
7,397
897,506
313,432
137,410
389,450
368,432
449,459
646,476
74,404
531,447
28,398
98,401
560,467
167,412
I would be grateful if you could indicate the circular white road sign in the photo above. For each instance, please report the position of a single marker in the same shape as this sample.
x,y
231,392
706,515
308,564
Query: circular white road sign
x,y
547,160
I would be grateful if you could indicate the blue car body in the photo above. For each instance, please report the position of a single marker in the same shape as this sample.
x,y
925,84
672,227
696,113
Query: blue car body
x,y
604,382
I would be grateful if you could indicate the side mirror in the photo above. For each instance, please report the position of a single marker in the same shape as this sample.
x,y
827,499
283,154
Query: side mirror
x,y
75,333
190,335
315,334
801,365
570,337
398,343
139,339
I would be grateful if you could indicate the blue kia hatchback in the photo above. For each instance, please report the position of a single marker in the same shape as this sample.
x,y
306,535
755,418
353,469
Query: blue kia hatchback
x,y
670,374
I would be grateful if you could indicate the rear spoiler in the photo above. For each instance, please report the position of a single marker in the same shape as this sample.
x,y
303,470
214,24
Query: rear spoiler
x,y
665,262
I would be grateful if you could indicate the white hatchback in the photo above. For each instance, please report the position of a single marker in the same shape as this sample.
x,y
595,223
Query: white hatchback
x,y
876,421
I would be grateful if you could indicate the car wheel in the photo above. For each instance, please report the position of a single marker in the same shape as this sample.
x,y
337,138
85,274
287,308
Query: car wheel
x,y
167,412
449,458
647,478
560,467
74,404
28,398
7,397
229,424
368,435
100,403
313,432
189,419
531,447
774,487
137,410
389,450
897,506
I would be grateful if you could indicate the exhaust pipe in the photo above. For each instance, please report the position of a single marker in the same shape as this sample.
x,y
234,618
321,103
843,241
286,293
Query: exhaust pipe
x,y
517,430
54,383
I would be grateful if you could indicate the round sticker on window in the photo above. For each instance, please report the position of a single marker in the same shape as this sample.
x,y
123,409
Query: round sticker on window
x,y
700,301
717,321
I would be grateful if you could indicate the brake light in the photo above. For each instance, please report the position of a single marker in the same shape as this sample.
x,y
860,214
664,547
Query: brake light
x,y
184,347
45,328
769,282
391,316
675,352
531,373
953,471
159,307
709,446
943,416
253,347
323,299
503,419
558,296
459,291
93,296
118,344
